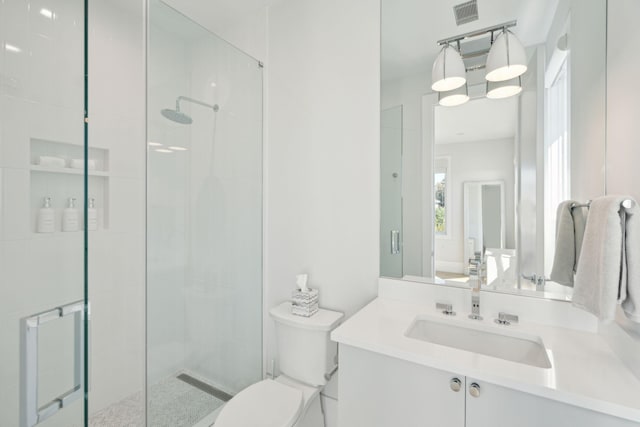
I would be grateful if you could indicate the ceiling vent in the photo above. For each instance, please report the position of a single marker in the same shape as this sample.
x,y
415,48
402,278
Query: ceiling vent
x,y
466,12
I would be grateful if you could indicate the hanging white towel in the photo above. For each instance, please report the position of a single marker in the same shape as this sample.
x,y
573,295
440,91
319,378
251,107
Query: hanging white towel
x,y
609,268
570,224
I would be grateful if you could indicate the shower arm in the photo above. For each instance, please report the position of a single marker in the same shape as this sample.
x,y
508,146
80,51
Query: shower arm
x,y
195,101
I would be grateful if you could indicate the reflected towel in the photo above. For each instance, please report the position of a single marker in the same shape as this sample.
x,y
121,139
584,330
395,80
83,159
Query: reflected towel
x,y
570,225
609,269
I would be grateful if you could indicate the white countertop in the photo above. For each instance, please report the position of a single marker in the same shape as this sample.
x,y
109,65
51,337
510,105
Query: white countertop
x,y
585,372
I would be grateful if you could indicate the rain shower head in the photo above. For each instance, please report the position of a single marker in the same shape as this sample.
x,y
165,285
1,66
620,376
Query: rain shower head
x,y
177,116
180,117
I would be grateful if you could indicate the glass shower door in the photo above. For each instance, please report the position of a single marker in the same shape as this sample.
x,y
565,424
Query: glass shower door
x,y
391,192
204,220
42,195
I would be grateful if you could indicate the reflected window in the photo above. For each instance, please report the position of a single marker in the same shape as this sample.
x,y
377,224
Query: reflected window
x,y
441,196
557,152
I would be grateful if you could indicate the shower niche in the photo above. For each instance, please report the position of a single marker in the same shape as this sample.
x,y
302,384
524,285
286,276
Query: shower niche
x,y
57,172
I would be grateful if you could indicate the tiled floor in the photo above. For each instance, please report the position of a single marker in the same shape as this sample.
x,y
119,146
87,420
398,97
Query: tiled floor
x,y
172,403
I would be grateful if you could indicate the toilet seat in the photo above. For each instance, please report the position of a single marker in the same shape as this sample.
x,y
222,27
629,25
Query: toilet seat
x,y
266,403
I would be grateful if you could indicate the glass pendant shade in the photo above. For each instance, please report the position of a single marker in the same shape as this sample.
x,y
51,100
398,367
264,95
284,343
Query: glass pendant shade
x,y
506,59
451,98
448,70
504,89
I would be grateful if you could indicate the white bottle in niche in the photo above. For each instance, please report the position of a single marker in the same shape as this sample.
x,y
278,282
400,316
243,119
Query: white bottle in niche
x,y
70,217
46,218
92,215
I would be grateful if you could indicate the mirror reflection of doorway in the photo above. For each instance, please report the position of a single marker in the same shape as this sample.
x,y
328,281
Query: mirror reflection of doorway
x,y
391,192
474,150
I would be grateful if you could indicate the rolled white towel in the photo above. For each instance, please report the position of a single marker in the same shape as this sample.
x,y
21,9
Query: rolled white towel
x,y
79,164
50,161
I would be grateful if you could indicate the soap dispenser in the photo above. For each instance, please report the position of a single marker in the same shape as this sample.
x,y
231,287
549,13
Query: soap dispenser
x,y
46,218
70,217
92,215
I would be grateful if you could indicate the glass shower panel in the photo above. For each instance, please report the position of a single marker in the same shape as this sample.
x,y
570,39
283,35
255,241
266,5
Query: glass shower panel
x,y
204,220
391,253
42,188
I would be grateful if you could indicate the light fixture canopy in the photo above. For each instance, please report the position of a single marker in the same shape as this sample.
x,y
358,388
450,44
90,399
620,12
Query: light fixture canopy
x,y
452,98
506,59
504,89
448,70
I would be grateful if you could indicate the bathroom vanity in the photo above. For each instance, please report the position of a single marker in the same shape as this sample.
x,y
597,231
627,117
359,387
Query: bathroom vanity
x,y
388,378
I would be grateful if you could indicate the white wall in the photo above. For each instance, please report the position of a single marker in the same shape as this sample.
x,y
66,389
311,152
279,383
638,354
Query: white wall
x,y
323,152
623,110
588,97
244,25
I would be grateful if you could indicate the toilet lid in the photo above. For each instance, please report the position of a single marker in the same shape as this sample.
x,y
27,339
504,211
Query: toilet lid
x,y
265,404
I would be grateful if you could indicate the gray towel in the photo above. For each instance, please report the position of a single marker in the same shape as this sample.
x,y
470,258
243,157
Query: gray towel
x,y
570,224
609,268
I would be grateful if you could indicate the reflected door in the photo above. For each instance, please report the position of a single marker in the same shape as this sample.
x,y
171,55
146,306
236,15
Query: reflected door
x,y
42,199
391,192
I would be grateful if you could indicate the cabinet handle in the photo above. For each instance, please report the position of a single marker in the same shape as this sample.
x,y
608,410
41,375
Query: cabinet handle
x,y
474,390
455,384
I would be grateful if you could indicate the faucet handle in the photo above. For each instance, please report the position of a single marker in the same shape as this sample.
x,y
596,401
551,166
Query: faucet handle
x,y
506,318
446,308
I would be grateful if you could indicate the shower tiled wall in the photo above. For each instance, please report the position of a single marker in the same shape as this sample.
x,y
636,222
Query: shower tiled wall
x,y
117,254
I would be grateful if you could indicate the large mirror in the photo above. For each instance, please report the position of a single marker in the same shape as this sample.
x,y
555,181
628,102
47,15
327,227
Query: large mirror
x,y
472,177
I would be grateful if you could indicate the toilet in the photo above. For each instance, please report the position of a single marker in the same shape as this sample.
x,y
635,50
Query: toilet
x,y
307,358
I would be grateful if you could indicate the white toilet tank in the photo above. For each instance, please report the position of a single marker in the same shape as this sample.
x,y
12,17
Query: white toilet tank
x,y
305,351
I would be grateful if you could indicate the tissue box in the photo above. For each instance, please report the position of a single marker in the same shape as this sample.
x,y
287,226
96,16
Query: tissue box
x,y
309,296
304,310
304,303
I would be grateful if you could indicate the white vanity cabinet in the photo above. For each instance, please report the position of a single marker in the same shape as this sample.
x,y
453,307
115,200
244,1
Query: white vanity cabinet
x,y
497,406
382,391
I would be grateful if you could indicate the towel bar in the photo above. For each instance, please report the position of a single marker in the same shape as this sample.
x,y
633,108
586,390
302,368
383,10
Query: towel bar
x,y
627,204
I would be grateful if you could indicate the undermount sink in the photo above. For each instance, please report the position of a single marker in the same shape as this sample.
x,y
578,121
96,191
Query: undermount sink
x,y
507,345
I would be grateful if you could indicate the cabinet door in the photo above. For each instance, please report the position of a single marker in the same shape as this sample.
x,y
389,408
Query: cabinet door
x,y
498,406
381,391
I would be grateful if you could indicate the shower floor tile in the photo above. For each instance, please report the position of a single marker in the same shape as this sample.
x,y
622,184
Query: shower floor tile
x,y
172,403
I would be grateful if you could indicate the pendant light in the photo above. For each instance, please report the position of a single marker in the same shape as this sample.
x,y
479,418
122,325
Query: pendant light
x,y
452,98
506,59
448,70
504,89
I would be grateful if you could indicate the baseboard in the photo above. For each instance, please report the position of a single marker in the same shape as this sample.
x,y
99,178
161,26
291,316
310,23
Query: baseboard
x,y
450,266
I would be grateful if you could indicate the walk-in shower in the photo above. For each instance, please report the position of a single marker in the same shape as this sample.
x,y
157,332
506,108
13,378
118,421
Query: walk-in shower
x,y
149,312
204,220
179,117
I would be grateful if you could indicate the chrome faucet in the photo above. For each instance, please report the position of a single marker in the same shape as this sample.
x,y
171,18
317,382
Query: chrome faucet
x,y
475,292
539,281
475,304
476,284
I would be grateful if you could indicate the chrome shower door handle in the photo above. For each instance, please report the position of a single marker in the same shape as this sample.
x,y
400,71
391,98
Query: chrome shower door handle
x,y
395,242
31,413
